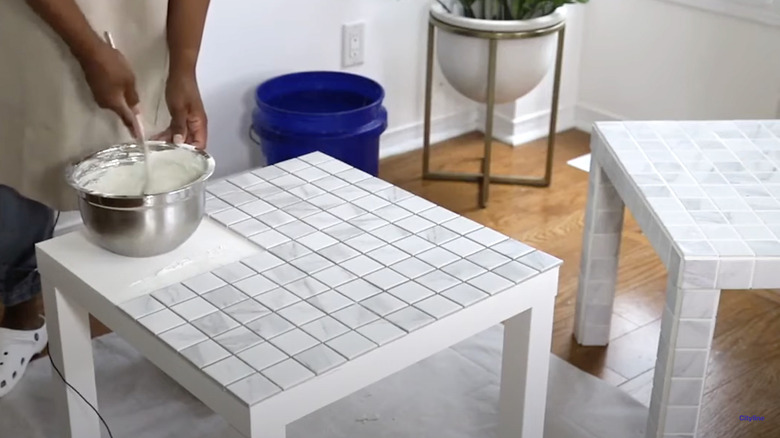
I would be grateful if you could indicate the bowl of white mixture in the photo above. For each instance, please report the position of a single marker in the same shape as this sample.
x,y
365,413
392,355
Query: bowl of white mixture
x,y
128,214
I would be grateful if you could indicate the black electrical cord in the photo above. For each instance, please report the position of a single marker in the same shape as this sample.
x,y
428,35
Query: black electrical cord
x,y
102,420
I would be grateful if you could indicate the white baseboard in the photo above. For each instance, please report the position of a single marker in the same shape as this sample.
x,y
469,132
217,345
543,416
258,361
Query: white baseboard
x,y
410,137
68,221
587,115
529,127
516,132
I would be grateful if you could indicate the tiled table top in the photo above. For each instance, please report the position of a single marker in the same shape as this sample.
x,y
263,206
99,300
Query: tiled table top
x,y
714,186
350,263
710,190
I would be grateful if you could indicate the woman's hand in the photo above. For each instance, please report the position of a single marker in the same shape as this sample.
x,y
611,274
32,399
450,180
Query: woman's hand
x,y
188,117
107,72
112,82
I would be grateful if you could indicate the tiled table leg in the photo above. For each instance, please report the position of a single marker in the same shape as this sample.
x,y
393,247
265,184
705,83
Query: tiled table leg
x,y
598,267
687,329
524,371
70,348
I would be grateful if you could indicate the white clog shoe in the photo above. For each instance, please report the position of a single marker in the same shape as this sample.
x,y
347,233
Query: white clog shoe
x,y
17,347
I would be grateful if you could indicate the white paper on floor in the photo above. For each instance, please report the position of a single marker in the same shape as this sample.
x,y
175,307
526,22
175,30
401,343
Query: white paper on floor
x,y
582,163
453,394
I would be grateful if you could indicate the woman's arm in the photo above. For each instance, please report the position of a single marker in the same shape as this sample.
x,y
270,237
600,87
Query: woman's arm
x,y
186,19
107,72
67,20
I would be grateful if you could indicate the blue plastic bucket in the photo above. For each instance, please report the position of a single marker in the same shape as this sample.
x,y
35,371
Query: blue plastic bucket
x,y
339,114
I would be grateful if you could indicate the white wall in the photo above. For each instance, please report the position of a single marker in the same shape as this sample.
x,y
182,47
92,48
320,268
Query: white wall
x,y
637,59
649,59
249,41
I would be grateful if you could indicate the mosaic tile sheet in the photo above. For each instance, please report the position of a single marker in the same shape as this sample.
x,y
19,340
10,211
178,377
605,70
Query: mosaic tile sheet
x,y
349,263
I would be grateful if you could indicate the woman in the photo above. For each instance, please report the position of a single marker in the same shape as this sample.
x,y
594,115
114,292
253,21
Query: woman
x,y
64,93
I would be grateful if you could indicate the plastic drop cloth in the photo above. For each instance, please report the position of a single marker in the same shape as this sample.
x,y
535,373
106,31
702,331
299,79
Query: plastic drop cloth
x,y
453,394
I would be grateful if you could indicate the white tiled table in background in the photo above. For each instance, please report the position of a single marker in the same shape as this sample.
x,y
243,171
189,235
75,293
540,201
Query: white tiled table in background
x,y
707,196
311,280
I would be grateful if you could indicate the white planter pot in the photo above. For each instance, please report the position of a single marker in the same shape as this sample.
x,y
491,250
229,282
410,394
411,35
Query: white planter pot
x,y
522,63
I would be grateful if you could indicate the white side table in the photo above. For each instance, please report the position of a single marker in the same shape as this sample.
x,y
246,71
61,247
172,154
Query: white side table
x,y
310,281
707,196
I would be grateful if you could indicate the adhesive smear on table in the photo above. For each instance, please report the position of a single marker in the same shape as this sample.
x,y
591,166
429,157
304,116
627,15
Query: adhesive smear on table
x,y
169,170
202,261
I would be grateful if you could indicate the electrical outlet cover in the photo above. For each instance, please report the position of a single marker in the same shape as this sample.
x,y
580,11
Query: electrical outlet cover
x,y
353,44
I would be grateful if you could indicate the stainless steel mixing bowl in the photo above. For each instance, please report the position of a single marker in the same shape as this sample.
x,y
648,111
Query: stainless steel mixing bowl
x,y
139,226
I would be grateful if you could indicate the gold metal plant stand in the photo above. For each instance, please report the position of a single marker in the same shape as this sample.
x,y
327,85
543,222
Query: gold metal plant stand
x,y
485,178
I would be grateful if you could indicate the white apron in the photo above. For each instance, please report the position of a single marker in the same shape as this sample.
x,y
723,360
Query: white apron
x,y
48,117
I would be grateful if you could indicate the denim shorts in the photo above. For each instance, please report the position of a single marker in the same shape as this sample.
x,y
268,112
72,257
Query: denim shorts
x,y
23,223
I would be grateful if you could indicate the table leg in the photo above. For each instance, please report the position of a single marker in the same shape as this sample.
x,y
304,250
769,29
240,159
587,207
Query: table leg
x,y
524,371
598,267
70,348
267,428
687,329
272,433
230,432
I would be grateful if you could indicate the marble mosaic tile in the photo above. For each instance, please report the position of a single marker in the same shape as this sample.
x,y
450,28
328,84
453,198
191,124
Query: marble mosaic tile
x,y
410,318
214,324
325,328
238,339
234,272
254,389
355,316
229,370
351,345
204,283
205,353
247,311
142,306
194,309
358,289
381,332
339,253
727,176
320,359
183,336
438,306
383,304
262,356
347,262
294,341
330,301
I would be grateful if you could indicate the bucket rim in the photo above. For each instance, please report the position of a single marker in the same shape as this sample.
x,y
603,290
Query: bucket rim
x,y
375,126
269,82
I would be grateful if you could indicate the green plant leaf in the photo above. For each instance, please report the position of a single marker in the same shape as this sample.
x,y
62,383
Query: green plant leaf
x,y
514,9
444,5
468,7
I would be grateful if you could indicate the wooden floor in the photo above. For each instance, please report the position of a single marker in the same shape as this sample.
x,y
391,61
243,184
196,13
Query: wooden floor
x,y
744,368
